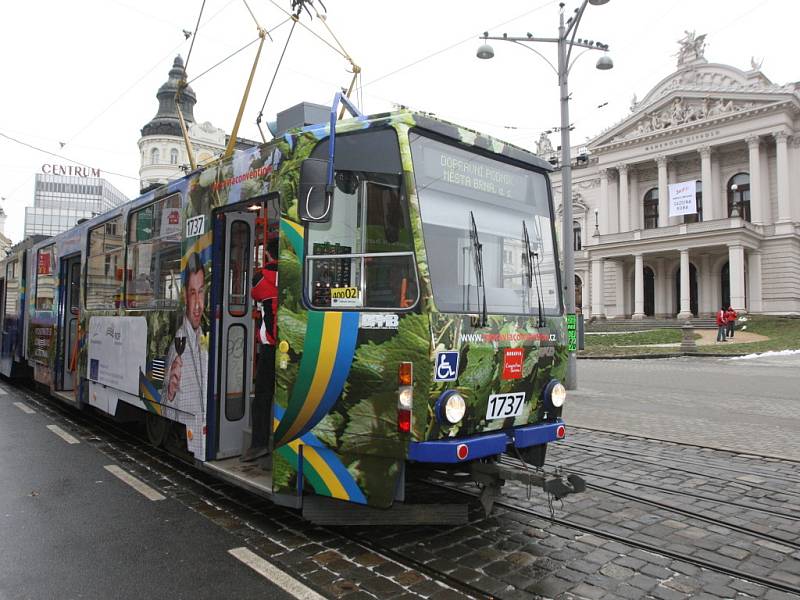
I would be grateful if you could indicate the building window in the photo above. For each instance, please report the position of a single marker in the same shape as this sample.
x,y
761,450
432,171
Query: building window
x,y
154,156
739,196
698,195
576,236
651,209
173,156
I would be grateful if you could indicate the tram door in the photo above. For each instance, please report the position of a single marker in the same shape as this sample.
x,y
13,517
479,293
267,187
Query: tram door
x,y
71,268
235,334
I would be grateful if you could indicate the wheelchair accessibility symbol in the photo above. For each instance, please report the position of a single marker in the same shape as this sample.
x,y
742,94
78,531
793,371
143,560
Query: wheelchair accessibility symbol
x,y
446,366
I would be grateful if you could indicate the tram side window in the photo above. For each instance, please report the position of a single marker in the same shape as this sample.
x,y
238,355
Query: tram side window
x,y
369,223
154,255
45,278
105,266
12,288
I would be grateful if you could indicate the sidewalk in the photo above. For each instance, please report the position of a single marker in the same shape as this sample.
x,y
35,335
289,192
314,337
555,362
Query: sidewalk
x,y
708,337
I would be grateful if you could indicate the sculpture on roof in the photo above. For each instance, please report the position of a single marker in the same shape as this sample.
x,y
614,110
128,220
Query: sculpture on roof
x,y
692,47
544,146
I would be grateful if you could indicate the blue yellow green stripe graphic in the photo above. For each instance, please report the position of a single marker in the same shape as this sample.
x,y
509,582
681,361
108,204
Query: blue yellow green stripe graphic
x,y
327,355
294,233
321,466
149,395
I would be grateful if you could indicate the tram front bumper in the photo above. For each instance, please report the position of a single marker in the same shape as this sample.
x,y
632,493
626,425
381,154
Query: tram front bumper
x,y
459,450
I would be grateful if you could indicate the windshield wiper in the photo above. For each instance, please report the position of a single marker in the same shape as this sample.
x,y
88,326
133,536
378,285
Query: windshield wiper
x,y
478,248
534,275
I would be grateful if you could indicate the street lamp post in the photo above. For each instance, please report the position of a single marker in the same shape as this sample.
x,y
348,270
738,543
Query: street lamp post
x,y
566,41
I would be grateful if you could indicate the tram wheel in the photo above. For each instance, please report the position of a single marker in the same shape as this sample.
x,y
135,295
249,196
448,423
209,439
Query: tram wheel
x,y
157,427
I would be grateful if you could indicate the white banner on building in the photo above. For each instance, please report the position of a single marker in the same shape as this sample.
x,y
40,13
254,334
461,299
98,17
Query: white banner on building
x,y
682,198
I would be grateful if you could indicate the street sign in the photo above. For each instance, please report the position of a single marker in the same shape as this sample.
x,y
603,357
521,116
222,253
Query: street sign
x,y
572,333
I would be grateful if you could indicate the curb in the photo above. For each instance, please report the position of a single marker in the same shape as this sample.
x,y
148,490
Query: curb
x,y
664,355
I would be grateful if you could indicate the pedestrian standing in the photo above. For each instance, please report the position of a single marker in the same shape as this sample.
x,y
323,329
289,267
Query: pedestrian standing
x,y
721,324
730,318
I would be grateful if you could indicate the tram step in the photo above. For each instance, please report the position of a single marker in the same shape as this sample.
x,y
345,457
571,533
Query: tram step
x,y
327,511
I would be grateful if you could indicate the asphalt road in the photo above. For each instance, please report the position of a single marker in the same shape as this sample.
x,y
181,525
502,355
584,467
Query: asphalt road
x,y
742,405
71,529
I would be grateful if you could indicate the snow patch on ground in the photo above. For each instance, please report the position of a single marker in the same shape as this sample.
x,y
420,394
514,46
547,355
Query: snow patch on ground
x,y
767,354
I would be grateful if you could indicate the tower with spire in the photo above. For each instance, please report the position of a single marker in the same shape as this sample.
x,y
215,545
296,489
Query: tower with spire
x,y
162,150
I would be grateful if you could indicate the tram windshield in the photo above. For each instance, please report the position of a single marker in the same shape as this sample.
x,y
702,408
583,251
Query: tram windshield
x,y
453,185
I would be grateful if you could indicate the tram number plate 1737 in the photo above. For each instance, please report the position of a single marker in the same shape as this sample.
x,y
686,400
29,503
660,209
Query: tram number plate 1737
x,y
502,406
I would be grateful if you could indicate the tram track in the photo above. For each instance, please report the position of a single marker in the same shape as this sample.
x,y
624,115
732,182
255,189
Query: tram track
x,y
632,543
638,458
91,427
767,511
685,512
767,474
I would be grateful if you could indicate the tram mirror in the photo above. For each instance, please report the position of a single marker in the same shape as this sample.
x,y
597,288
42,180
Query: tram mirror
x,y
314,201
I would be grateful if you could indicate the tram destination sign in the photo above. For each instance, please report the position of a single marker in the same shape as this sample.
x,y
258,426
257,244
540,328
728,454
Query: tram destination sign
x,y
473,175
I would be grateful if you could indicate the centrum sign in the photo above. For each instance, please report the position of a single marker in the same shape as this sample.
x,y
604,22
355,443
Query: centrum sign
x,y
74,171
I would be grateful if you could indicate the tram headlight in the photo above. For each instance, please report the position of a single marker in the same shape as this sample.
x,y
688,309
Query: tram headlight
x,y
555,393
450,407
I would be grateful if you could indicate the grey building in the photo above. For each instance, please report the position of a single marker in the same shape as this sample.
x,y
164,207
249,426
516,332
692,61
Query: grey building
x,y
60,200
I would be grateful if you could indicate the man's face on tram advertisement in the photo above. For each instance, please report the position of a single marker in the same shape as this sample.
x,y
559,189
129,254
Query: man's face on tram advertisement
x,y
195,297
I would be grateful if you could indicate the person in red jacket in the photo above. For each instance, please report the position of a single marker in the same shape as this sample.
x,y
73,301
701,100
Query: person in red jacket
x,y
721,324
265,293
730,320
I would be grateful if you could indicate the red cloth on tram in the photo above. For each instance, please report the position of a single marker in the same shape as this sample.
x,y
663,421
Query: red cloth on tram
x,y
265,291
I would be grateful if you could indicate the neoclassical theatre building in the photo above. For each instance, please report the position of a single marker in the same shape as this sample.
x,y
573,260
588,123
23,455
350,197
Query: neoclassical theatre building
x,y
735,134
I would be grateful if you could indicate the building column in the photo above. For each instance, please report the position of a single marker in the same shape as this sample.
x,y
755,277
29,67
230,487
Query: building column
x,y
663,192
756,207
709,204
634,202
619,292
706,305
598,288
604,202
736,269
659,290
754,280
782,169
624,204
686,292
720,198
638,287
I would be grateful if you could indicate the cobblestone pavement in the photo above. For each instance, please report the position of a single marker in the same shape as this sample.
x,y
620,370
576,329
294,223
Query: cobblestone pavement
x,y
741,405
512,554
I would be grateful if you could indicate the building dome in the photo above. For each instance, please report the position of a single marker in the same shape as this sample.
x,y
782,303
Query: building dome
x,y
166,121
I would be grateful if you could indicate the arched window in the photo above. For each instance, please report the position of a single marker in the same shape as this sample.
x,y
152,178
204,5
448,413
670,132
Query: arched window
x,y
576,236
173,156
154,156
651,209
698,216
739,196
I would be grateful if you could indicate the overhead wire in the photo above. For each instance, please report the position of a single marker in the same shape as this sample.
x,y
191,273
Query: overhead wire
x,y
156,65
194,37
61,156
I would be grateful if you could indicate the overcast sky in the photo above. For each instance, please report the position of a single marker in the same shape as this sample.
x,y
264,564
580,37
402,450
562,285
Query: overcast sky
x,y
85,73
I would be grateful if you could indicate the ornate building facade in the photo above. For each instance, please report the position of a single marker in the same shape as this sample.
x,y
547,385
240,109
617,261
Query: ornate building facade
x,y
163,152
736,135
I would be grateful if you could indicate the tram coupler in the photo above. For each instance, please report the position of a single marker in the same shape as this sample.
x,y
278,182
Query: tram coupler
x,y
493,475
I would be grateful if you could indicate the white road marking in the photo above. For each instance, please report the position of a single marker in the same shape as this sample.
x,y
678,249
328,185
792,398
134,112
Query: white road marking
x,y
3,391
275,575
140,486
63,434
24,408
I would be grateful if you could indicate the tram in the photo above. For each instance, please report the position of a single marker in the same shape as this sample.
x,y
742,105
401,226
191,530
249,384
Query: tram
x,y
420,326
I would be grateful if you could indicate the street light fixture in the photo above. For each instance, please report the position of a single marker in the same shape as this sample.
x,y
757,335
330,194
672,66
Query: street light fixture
x,y
596,224
566,42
